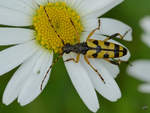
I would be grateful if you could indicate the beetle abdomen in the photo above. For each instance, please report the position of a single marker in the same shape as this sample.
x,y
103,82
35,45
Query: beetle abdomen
x,y
101,49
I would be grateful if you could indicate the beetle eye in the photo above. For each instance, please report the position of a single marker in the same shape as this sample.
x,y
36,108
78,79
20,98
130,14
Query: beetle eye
x,y
67,51
67,45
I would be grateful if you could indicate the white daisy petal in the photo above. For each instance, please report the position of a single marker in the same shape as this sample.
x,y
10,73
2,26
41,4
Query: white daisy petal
x,y
21,6
145,88
113,69
110,89
17,81
41,2
31,4
14,56
82,83
75,4
140,69
97,7
109,27
32,87
9,37
72,3
146,39
20,19
145,24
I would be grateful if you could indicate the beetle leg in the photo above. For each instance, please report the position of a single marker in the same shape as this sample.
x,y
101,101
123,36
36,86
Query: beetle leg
x,y
94,30
55,61
72,59
120,61
87,61
113,62
117,62
115,35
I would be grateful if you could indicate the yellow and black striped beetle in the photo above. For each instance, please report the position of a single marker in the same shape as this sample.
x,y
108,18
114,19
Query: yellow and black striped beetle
x,y
92,48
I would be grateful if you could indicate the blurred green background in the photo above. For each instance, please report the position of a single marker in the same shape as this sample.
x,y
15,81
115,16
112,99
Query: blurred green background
x,y
60,96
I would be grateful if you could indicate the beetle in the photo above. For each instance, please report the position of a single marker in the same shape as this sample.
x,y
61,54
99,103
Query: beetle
x,y
91,48
101,49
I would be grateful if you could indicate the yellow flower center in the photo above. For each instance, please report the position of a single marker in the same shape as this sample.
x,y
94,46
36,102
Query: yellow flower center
x,y
56,23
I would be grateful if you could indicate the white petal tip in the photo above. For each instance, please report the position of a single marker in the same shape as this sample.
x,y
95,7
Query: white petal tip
x,y
115,98
94,109
22,103
6,100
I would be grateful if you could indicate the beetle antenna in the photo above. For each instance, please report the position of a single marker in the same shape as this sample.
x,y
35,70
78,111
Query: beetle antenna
x,y
62,40
77,34
126,32
50,22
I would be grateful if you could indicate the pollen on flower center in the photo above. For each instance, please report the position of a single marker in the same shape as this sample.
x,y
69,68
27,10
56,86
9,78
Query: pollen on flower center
x,y
55,22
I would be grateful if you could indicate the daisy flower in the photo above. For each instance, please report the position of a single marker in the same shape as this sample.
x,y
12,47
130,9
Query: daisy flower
x,y
141,68
35,28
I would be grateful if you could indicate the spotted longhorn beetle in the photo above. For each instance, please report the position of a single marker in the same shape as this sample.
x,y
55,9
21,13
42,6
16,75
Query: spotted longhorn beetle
x,y
92,48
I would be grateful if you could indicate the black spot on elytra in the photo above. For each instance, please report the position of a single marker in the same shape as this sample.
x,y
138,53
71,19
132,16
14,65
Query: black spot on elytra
x,y
116,51
107,43
116,54
106,55
124,51
95,42
95,55
116,47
